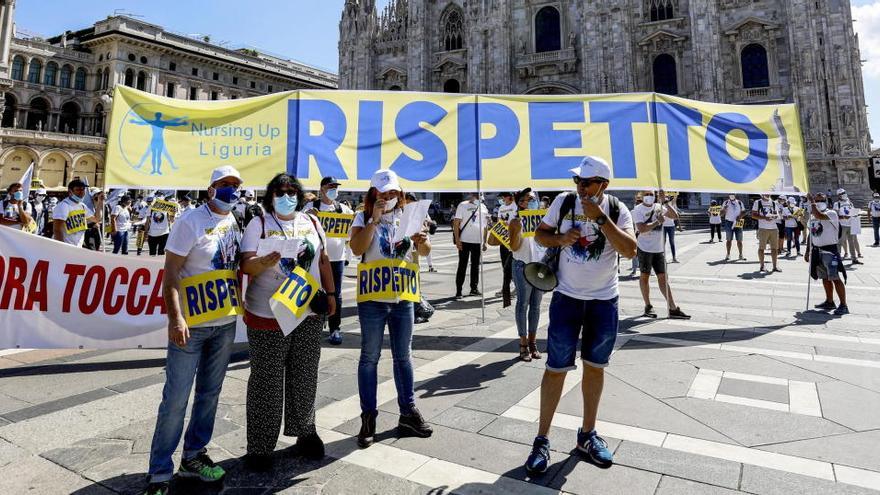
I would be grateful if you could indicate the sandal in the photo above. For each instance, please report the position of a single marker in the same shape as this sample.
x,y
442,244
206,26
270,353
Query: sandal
x,y
524,353
533,349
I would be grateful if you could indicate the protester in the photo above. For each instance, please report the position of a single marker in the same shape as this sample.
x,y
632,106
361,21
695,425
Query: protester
x,y
143,212
329,193
669,223
855,230
284,368
734,213
120,224
372,236
824,258
157,226
15,212
204,242
186,204
780,224
528,298
843,206
635,259
70,217
649,218
592,232
470,226
506,211
714,221
789,216
874,209
38,207
765,211
93,237
49,228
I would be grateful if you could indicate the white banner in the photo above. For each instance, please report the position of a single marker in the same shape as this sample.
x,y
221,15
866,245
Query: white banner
x,y
54,295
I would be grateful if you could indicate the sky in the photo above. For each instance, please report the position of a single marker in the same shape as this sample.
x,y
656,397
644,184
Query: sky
x,y
308,30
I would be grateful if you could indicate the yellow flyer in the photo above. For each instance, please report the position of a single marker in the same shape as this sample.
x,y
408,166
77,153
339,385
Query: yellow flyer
x,y
388,279
336,225
501,232
530,220
210,296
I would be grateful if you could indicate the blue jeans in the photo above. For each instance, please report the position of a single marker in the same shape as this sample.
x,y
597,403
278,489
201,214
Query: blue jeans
x,y
204,359
791,233
669,236
875,222
528,301
338,267
120,240
373,317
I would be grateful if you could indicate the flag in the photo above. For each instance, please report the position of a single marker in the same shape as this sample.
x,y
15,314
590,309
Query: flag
x,y
26,181
115,196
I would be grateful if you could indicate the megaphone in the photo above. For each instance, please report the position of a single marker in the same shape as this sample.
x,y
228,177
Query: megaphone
x,y
540,276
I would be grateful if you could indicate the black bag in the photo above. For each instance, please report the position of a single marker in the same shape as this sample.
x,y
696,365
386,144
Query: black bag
x,y
320,304
254,210
424,310
432,227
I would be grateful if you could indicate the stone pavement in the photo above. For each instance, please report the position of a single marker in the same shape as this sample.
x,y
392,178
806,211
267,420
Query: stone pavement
x,y
753,395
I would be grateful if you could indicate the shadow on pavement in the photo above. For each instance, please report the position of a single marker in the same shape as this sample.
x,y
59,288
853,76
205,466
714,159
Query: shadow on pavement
x,y
464,379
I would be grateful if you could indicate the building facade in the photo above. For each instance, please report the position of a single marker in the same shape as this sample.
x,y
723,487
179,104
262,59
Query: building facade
x,y
56,91
728,51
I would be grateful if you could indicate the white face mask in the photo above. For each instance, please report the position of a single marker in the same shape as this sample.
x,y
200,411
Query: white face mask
x,y
648,200
390,204
844,197
821,206
732,197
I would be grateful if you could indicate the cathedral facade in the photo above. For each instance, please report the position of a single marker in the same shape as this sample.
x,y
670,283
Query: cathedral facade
x,y
726,51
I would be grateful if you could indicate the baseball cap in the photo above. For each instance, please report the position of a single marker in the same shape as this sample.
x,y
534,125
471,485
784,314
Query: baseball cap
x,y
249,193
223,172
76,183
841,191
506,194
521,194
329,180
385,180
592,166
40,192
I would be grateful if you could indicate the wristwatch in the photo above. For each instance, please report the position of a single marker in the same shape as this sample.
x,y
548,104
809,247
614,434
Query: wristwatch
x,y
601,220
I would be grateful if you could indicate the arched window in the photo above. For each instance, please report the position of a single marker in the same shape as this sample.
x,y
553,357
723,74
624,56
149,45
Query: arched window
x,y
69,120
660,10
34,71
38,114
452,86
129,78
18,68
665,76
50,77
9,110
142,81
79,81
66,75
99,119
105,83
548,30
394,88
755,73
453,30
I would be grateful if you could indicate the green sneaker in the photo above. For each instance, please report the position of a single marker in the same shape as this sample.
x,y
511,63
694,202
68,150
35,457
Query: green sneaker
x,y
157,488
201,467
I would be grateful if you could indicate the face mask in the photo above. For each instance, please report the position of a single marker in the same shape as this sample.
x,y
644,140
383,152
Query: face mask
x,y
332,194
17,195
732,197
648,200
390,204
821,206
225,197
76,198
533,204
844,197
285,205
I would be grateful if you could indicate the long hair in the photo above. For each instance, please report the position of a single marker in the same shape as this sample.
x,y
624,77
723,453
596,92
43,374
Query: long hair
x,y
275,185
370,201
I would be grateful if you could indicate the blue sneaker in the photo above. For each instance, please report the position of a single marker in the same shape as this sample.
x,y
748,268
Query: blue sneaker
x,y
595,447
335,337
539,459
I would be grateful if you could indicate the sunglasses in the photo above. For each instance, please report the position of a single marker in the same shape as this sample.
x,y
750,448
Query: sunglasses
x,y
588,182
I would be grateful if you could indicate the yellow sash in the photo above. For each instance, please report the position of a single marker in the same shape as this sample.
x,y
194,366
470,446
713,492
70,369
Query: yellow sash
x,y
715,210
335,225
388,279
210,296
76,221
530,220
502,233
297,292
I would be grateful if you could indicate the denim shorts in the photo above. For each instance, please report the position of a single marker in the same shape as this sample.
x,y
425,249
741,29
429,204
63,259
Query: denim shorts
x,y
569,317
730,231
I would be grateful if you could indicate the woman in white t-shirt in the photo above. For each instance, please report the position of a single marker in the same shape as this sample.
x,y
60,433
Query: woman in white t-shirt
x,y
386,276
528,299
120,225
284,361
157,226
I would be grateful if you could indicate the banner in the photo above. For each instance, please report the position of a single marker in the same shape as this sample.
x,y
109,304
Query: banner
x,y
445,142
501,232
530,221
336,224
388,279
163,206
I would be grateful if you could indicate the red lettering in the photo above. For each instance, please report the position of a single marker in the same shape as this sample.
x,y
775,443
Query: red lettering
x,y
135,305
156,299
37,292
15,278
2,269
113,305
92,289
73,272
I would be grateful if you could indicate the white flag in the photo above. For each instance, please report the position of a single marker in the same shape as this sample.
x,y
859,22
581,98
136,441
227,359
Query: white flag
x,y
26,181
115,196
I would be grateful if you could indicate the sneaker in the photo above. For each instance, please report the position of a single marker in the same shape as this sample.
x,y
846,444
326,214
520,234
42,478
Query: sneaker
x,y
157,488
727,258
841,310
674,260
431,269
875,245
856,262
829,305
678,314
201,467
649,311
458,296
413,424
310,446
335,337
259,463
741,259
595,447
475,292
368,429
539,459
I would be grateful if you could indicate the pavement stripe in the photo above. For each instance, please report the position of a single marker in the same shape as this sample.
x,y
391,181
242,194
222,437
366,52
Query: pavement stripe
x,y
9,352
764,282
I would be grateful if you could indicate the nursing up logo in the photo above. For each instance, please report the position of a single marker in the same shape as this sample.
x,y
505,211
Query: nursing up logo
x,y
155,149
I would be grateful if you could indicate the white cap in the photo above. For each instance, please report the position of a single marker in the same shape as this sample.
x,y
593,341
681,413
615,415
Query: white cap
x,y
249,193
40,192
384,181
841,191
223,172
592,166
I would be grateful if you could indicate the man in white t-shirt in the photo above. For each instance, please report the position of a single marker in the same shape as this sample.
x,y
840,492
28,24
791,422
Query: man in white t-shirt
x,y
733,211
648,218
765,211
874,211
506,212
120,224
844,208
15,211
202,257
470,225
143,212
70,217
824,258
593,229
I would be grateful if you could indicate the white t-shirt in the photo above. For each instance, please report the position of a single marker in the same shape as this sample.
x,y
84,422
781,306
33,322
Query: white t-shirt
x,y
715,218
874,208
668,222
824,232
381,246
159,223
790,221
734,209
844,209
652,240
335,245
506,212
209,242
855,225
123,218
143,211
766,208
588,269
10,212
472,232
261,288
74,216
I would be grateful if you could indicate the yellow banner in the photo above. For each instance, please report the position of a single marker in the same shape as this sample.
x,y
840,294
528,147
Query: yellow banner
x,y
76,221
502,233
388,279
297,292
210,296
444,142
336,224
530,220
164,207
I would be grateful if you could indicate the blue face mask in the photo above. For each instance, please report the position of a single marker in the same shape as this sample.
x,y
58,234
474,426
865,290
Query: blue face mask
x,y
285,205
226,197
78,199
17,195
533,204
332,194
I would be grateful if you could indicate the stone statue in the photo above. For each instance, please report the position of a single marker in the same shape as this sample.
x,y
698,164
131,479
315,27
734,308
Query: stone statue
x,y
572,39
522,44
846,115
15,122
39,125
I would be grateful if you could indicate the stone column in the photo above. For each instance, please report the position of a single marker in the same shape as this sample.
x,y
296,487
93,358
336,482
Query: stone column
x,y
6,13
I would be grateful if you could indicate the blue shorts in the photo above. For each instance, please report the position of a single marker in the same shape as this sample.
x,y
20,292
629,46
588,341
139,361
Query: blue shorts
x,y
568,317
732,232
